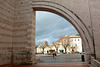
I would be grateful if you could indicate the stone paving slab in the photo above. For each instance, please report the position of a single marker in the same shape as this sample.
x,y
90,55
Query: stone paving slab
x,y
64,58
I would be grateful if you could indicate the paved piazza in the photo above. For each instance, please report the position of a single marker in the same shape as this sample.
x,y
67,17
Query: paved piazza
x,y
62,58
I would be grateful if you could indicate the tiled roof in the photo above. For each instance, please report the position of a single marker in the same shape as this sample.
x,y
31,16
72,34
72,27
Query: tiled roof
x,y
72,36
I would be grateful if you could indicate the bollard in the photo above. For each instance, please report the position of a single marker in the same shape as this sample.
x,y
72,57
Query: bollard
x,y
82,57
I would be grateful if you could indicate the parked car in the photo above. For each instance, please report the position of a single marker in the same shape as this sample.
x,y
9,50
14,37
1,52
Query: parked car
x,y
77,52
82,52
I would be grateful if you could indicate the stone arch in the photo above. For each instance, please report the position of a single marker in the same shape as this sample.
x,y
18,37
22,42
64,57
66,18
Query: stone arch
x,y
22,25
73,18
69,15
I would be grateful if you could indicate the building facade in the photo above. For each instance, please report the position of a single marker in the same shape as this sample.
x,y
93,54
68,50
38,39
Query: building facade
x,y
74,45
70,44
40,46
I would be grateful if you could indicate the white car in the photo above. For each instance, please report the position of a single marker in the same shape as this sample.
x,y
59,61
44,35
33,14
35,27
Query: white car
x,y
82,52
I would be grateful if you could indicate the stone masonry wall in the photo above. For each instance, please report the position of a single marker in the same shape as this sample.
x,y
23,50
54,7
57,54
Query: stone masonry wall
x,y
6,30
95,19
24,32
94,62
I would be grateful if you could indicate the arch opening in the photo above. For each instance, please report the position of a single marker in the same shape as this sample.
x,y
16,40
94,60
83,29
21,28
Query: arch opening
x,y
56,39
69,16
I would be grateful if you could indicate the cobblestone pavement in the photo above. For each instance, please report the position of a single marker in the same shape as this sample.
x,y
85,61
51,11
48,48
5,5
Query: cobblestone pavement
x,y
63,58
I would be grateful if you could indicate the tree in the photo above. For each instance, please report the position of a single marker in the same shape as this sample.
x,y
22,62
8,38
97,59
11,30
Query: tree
x,y
43,47
46,43
56,44
41,44
65,42
77,34
36,47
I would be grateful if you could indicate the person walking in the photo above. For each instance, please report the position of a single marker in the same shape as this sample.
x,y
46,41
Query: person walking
x,y
53,54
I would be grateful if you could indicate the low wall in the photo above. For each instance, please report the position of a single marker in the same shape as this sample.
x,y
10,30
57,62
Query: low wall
x,y
22,57
94,62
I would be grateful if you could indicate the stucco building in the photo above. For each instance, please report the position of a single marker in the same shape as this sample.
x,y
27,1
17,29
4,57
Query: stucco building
x,y
40,46
75,45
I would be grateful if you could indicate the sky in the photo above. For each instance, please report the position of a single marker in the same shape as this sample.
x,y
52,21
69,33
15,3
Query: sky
x,y
50,27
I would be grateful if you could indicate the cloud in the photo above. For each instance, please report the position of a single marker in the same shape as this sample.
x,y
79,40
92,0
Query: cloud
x,y
51,26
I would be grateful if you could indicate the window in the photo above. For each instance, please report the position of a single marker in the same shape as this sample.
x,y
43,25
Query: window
x,y
75,44
72,45
76,49
69,49
78,40
72,40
